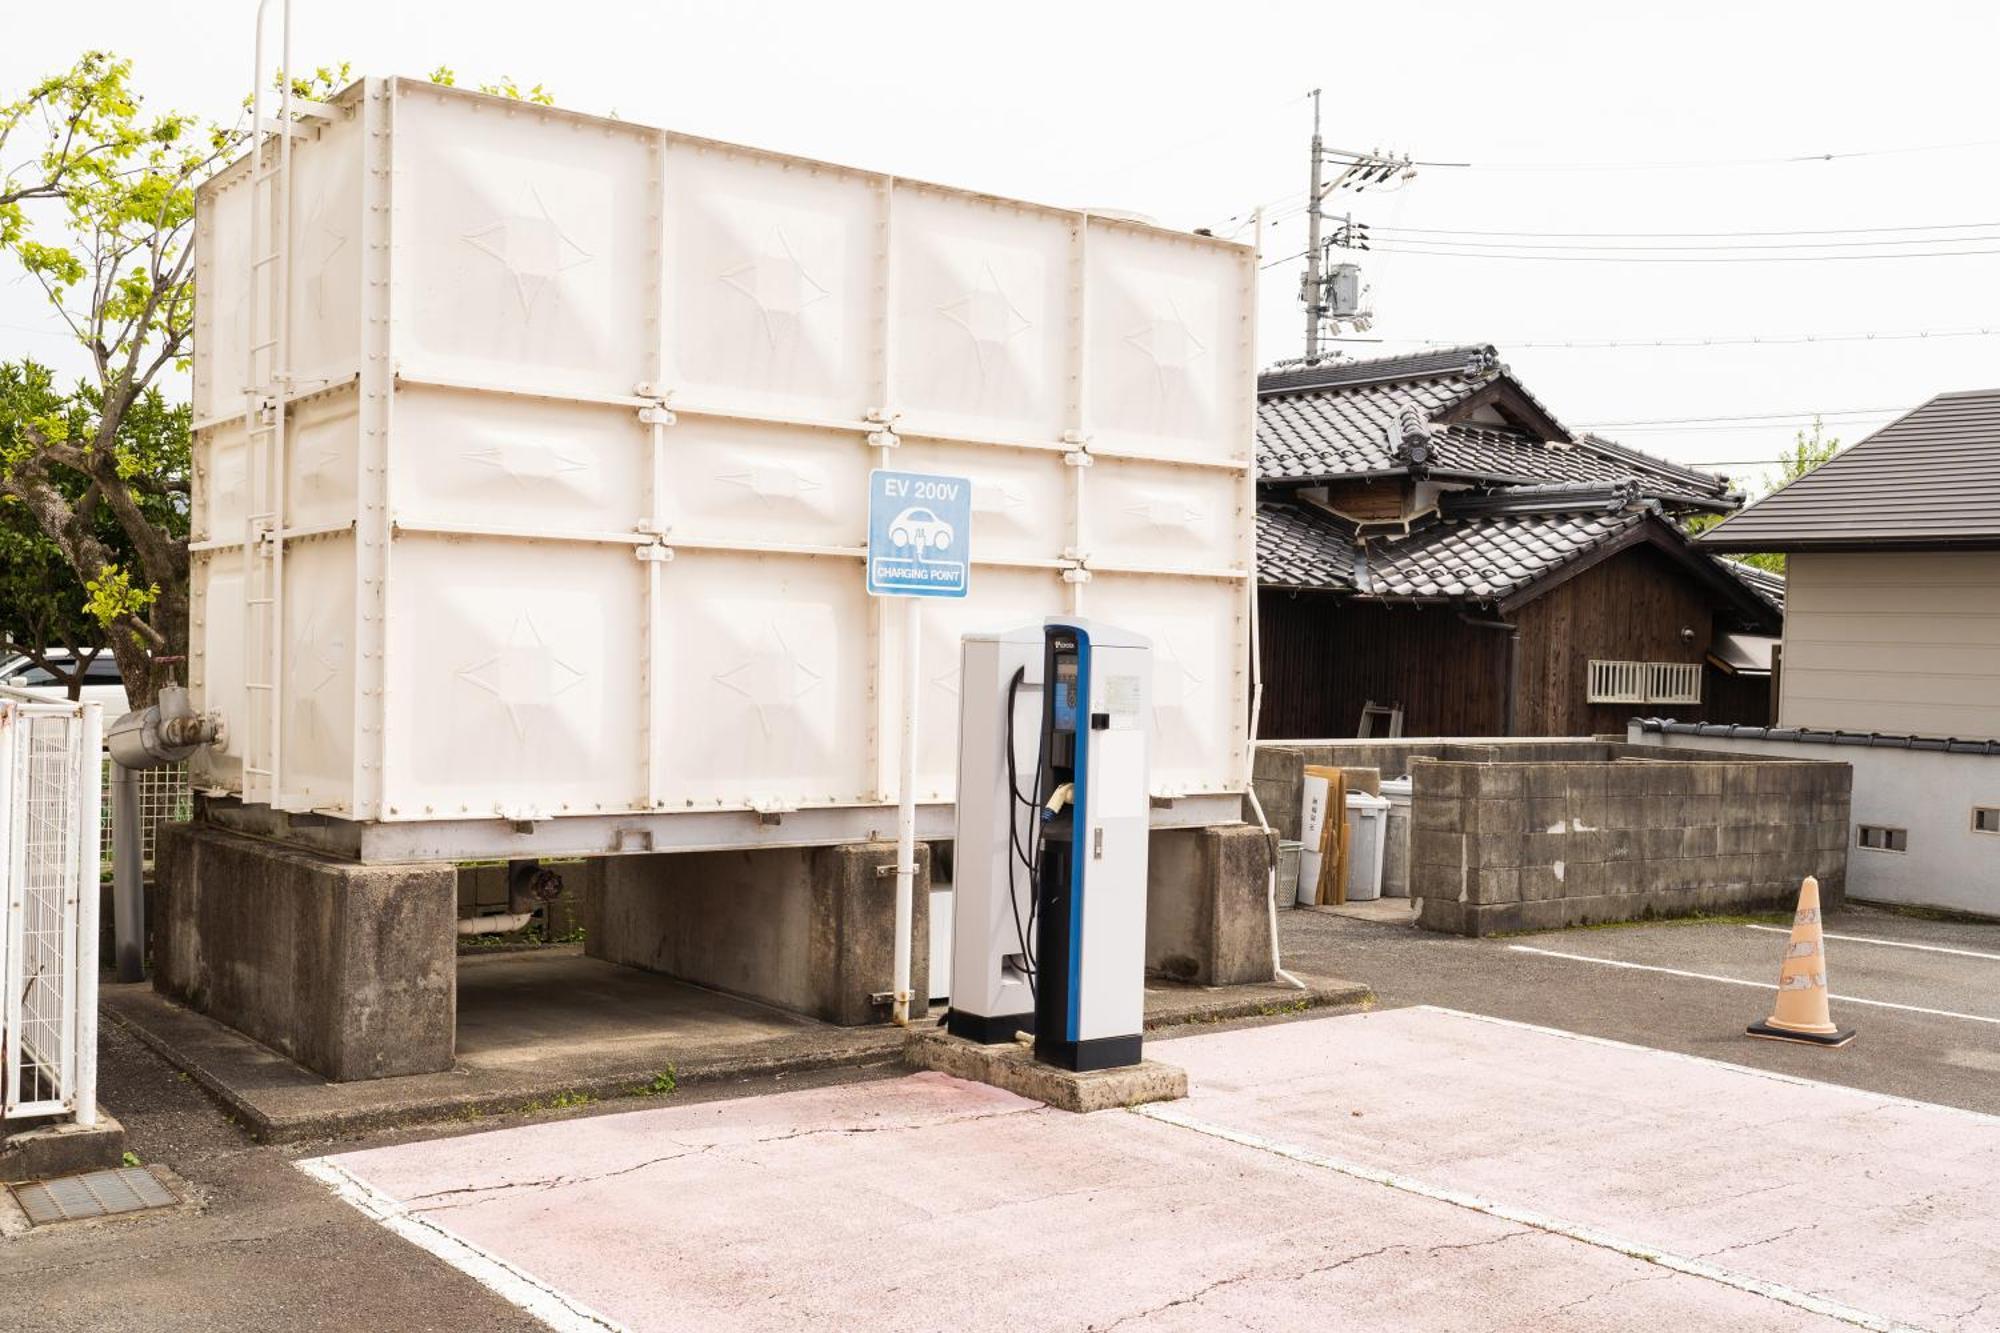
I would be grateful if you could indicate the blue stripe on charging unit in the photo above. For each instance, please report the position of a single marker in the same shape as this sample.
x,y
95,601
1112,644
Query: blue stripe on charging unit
x,y
1079,841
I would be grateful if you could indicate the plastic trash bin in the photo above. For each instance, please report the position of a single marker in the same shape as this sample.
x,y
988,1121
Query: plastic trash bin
x,y
1287,891
1367,839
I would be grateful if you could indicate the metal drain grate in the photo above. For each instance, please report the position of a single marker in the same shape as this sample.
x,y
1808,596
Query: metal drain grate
x,y
129,1189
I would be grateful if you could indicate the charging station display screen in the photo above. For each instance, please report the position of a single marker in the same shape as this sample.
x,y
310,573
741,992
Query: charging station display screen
x,y
1065,694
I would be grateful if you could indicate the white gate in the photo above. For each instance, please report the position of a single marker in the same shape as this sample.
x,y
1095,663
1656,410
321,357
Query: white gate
x,y
48,937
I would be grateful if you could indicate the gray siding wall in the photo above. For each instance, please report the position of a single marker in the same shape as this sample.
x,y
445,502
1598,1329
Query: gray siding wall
x,y
1902,642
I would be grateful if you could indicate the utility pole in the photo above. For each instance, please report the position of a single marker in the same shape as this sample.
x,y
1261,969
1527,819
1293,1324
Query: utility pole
x,y
1336,292
1314,289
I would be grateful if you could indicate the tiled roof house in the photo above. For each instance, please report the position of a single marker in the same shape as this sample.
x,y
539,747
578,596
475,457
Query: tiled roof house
x,y
1431,538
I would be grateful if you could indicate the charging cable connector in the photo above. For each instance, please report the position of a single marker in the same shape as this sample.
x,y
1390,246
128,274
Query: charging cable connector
x,y
1059,798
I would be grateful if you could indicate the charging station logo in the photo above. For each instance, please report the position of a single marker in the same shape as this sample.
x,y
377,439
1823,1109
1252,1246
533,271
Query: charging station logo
x,y
919,534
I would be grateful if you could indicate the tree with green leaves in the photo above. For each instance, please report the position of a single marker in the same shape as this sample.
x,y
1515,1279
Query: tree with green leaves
x,y
100,215
1808,451
99,212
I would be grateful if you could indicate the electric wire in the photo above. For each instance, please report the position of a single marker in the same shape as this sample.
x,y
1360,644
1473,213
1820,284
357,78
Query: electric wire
x,y
1685,235
1410,238
1409,248
1699,164
1015,851
1747,416
1732,340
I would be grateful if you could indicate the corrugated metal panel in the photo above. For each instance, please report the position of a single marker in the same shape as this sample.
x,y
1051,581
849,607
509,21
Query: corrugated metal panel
x,y
573,487
1931,477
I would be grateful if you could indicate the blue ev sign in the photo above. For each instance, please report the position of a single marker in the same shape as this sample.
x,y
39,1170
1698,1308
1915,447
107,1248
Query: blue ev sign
x,y
919,534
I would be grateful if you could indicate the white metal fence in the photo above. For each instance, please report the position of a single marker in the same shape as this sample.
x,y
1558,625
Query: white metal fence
x,y
49,816
164,798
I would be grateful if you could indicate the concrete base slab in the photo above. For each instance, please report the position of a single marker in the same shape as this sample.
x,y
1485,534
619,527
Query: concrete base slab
x,y
1410,1170
1013,1067
1382,911
64,1149
553,1028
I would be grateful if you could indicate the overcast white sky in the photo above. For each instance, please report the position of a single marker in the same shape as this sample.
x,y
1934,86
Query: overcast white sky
x,y
1192,113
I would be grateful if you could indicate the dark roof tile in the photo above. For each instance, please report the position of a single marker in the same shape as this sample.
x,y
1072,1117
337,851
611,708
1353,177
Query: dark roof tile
x,y
1339,420
1929,478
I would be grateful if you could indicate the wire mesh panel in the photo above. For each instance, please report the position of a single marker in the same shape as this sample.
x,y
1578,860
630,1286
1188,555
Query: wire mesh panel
x,y
164,798
49,808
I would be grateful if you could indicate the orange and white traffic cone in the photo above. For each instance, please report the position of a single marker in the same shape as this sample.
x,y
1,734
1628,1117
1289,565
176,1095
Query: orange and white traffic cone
x,y
1801,1013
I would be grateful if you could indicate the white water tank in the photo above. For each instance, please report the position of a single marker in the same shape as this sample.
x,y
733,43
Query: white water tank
x,y
568,520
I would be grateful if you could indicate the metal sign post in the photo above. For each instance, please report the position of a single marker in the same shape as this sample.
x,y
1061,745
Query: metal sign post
x,y
919,545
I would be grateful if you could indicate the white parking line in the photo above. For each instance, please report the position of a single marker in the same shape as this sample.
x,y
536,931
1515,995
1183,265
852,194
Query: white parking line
x,y
489,1270
1842,1089
1759,985
1166,1113
1893,944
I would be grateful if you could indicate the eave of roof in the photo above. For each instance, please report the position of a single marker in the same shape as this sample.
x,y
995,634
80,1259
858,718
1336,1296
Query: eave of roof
x,y
1340,422
1926,481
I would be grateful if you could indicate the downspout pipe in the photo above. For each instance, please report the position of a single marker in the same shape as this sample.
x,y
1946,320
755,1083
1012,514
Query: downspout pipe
x,y
1511,725
128,884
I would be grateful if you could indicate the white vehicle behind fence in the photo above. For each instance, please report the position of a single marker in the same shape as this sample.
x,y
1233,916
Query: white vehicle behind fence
x,y
102,683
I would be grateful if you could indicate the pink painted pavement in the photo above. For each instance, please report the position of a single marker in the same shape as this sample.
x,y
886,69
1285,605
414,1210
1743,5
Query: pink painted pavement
x,y
929,1203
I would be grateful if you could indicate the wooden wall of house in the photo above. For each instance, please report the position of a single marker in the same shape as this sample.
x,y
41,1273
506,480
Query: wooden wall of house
x,y
1382,499
1324,658
1729,697
1631,607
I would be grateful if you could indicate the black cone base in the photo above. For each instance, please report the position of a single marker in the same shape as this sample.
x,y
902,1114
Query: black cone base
x,y
1840,1038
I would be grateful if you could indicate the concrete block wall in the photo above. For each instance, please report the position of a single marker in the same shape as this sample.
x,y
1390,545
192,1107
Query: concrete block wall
x,y
1928,793
1530,846
1278,767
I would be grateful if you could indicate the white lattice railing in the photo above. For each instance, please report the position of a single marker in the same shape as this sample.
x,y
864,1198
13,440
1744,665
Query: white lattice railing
x,y
1673,682
49,812
1617,682
1644,682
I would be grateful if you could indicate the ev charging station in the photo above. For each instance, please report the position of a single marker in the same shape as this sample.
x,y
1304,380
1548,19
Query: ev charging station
x,y
1049,917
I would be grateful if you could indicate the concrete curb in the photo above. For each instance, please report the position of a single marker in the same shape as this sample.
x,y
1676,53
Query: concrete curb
x,y
279,1101
63,1149
1012,1067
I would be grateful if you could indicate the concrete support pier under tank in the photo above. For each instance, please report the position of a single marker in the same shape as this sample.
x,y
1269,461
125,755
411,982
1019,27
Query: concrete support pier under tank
x,y
810,929
1208,918
349,969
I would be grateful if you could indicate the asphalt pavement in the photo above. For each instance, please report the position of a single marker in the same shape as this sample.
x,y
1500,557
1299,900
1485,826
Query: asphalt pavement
x,y
264,1246
1694,987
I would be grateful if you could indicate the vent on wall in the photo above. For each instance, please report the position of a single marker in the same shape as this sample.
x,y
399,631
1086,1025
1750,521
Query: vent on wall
x,y
1986,819
1644,682
1878,838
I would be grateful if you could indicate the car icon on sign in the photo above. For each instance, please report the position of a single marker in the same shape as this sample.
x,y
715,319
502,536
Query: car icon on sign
x,y
920,527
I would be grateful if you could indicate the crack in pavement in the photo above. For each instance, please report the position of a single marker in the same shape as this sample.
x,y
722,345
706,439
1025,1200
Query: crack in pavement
x,y
1619,1285
416,1203
1960,1319
508,1187
1196,1297
1761,1240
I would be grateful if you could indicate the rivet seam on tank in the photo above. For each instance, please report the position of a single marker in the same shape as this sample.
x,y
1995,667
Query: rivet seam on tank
x,y
886,437
1079,448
